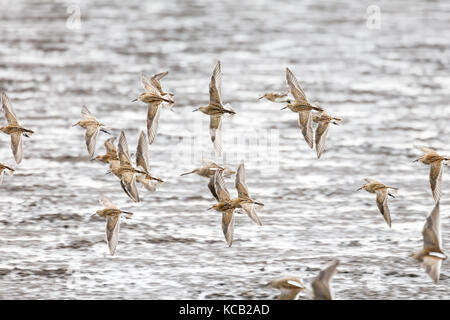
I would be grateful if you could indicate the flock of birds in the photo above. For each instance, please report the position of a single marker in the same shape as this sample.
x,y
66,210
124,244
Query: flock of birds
x,y
130,175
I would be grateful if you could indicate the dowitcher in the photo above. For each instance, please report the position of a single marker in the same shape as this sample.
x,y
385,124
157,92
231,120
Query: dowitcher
x,y
152,96
112,215
207,170
301,106
111,151
290,287
382,192
226,205
323,119
434,160
431,255
92,126
276,97
146,179
215,109
321,287
126,171
14,129
4,168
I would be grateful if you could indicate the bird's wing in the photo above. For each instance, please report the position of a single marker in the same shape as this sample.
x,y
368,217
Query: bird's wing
x,y
215,130
157,78
436,179
305,123
321,135
240,184
8,110
432,230
432,266
148,85
16,147
112,232
153,113
124,156
321,284
427,150
91,139
382,196
212,189
107,203
215,86
228,226
128,183
142,152
294,87
87,115
249,208
109,145
219,187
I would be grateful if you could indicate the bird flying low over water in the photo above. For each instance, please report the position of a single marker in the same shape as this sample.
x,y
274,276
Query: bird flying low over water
x,y
323,119
435,161
290,287
4,168
215,109
382,192
112,215
111,151
276,97
154,96
207,170
301,106
146,179
14,129
92,126
126,172
431,255
321,285
226,205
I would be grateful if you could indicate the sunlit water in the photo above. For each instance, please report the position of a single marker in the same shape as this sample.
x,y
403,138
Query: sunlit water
x,y
390,85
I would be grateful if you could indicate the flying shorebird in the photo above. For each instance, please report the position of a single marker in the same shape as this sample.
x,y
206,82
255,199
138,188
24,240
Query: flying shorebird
x,y
431,255
226,205
215,108
92,126
290,287
156,81
382,192
112,215
111,151
301,106
153,97
321,288
126,172
323,119
146,179
14,129
276,97
4,168
435,161
208,170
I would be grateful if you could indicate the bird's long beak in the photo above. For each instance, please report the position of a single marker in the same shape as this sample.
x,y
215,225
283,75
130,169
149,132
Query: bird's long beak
x,y
195,110
283,108
260,98
105,131
108,172
209,208
359,189
183,174
134,100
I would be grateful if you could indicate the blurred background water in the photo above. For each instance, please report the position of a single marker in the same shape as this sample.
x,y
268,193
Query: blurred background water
x,y
388,79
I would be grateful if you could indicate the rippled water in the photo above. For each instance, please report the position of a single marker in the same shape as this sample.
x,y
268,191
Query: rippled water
x,y
390,85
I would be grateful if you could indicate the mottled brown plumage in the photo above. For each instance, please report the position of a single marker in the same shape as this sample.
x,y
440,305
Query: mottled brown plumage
x,y
4,168
290,287
111,151
146,179
323,120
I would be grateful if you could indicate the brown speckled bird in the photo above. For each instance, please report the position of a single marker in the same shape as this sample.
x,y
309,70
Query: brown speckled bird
x,y
323,120
14,129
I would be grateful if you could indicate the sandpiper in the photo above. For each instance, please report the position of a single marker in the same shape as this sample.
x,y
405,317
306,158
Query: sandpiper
x,y
112,215
146,179
290,287
111,151
323,119
14,129
301,106
434,160
215,108
92,126
276,97
382,192
431,255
